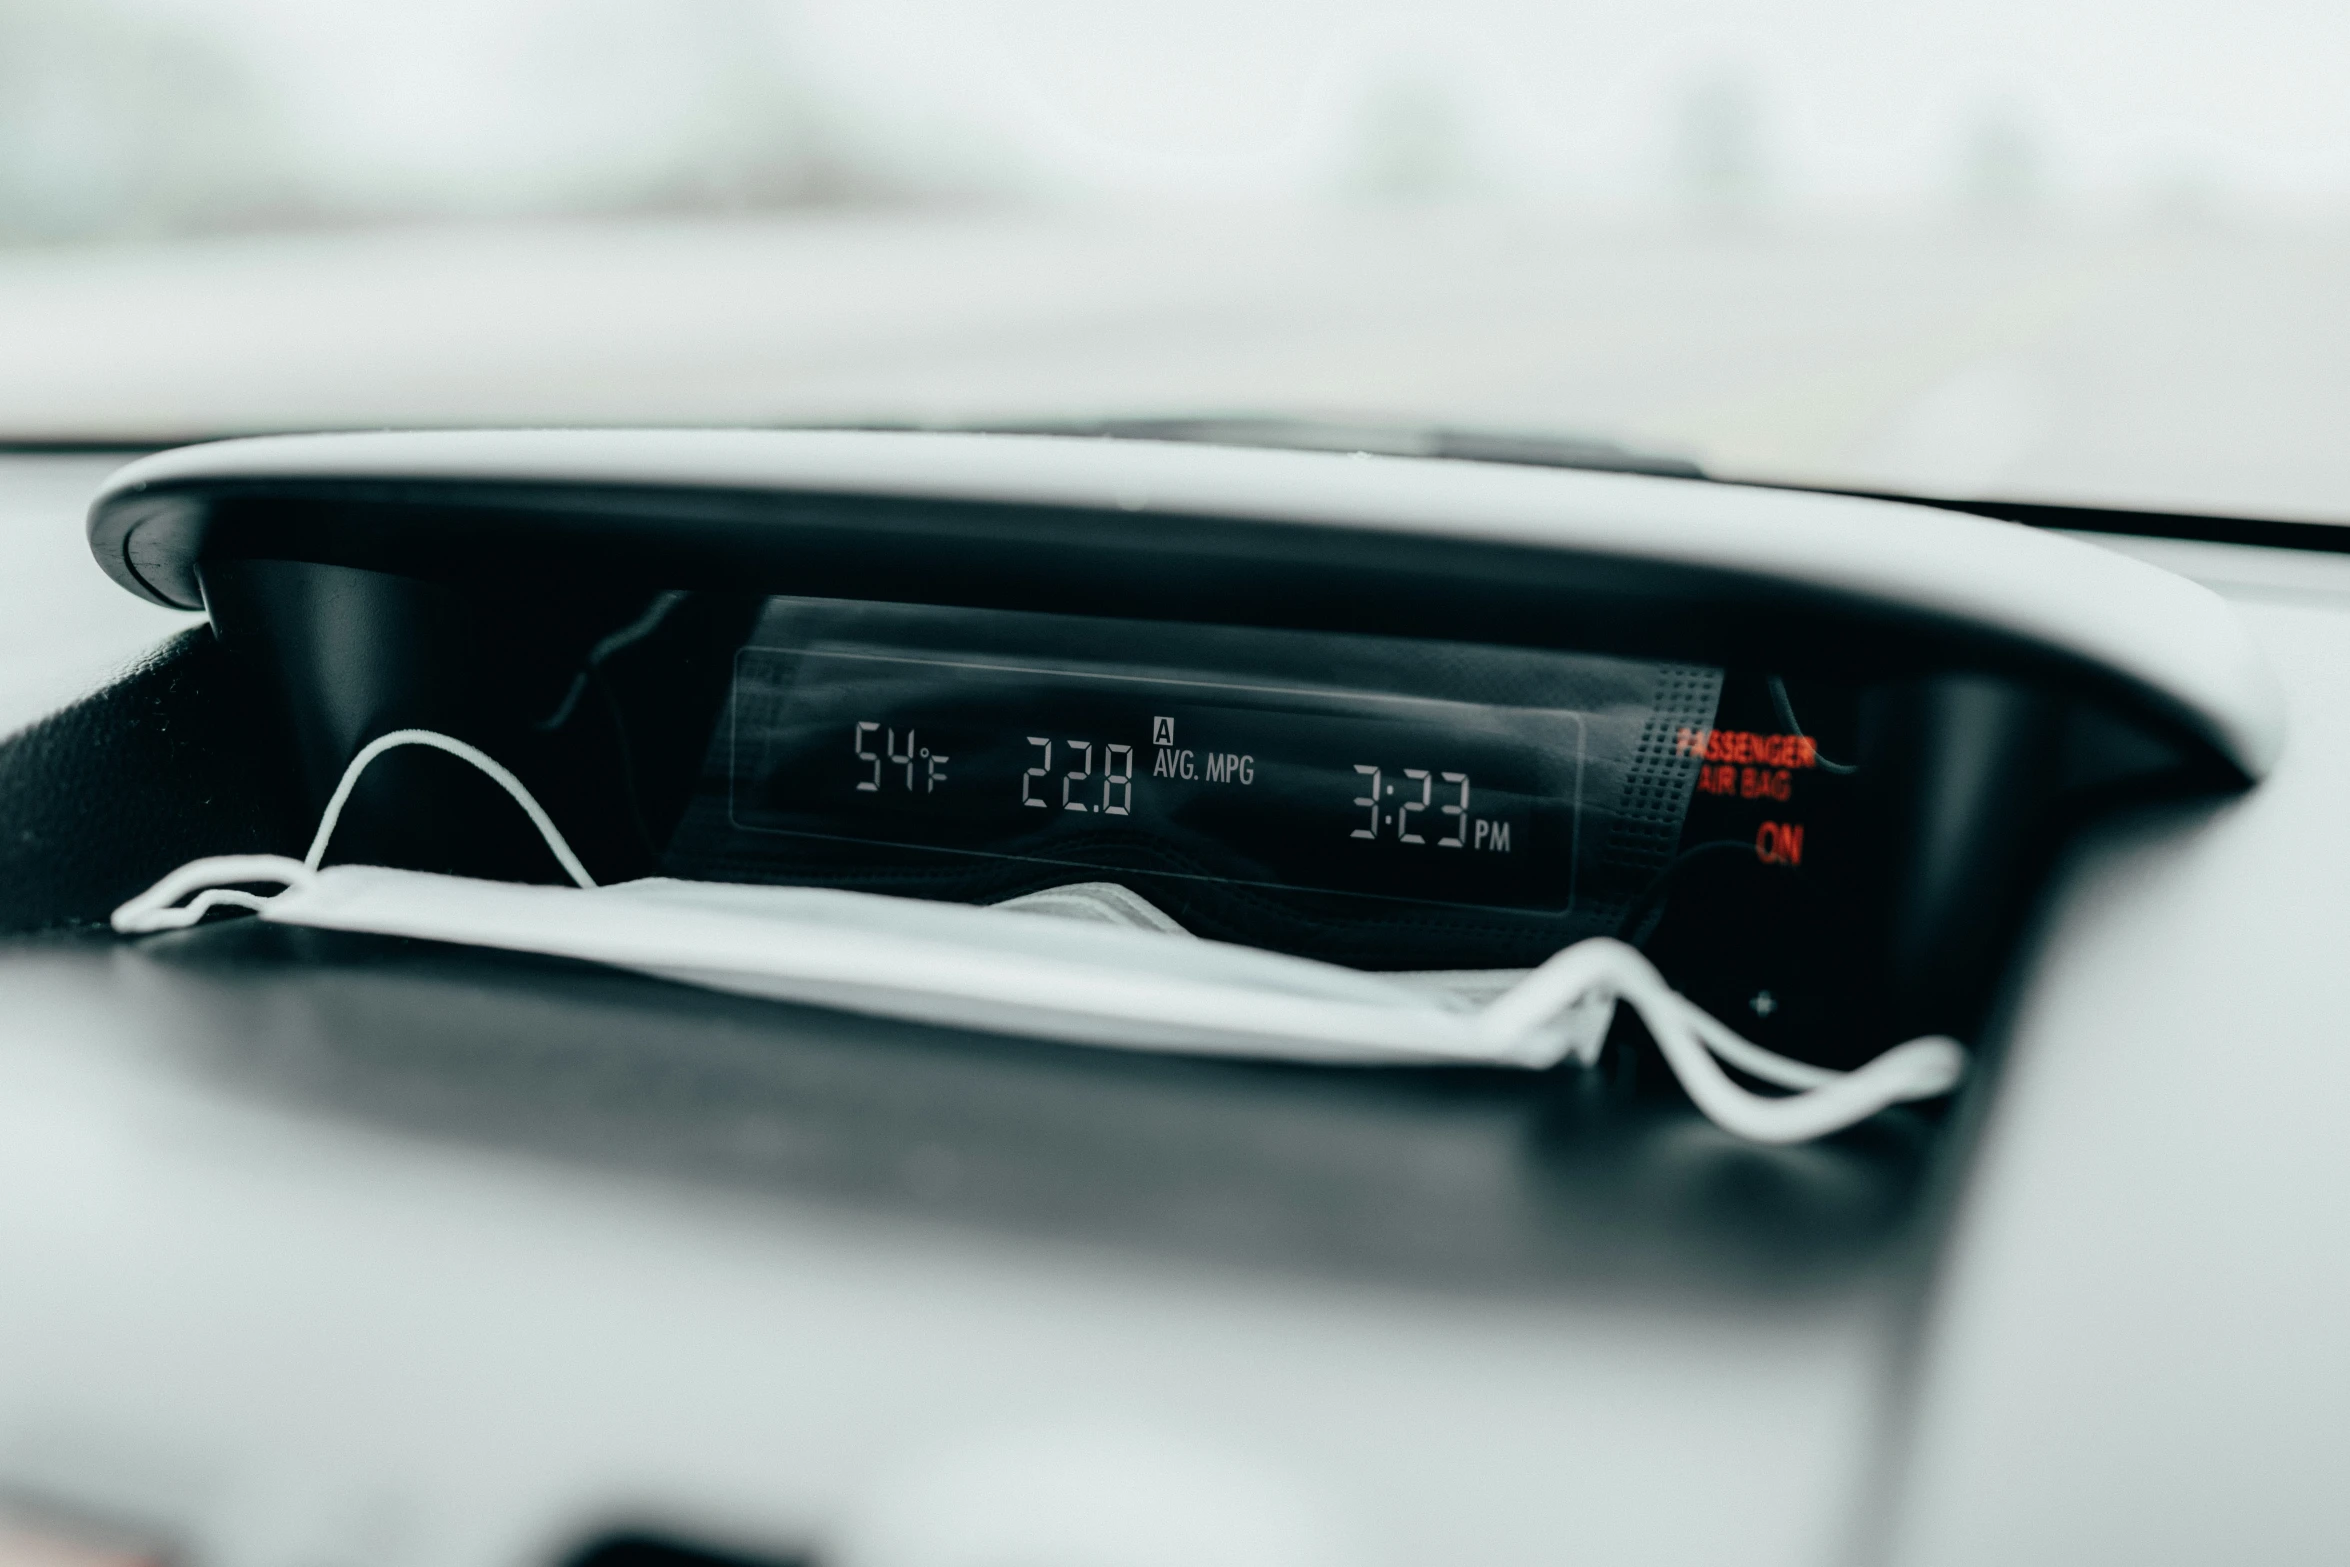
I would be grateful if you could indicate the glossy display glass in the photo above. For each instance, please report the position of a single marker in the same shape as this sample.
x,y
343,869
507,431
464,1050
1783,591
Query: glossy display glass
x,y
1088,767
1379,801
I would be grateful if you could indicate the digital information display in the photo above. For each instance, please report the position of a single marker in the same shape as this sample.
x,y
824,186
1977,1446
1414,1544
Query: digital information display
x,y
1096,769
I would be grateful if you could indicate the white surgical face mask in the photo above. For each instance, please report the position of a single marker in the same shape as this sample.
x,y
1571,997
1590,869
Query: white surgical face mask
x,y
1117,974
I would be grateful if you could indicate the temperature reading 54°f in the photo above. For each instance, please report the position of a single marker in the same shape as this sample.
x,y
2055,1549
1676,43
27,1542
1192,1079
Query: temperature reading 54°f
x,y
1405,816
892,764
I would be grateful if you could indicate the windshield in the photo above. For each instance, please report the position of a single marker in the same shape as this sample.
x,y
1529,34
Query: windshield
x,y
2093,254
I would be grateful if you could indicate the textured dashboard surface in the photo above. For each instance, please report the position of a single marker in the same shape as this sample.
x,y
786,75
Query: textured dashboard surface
x,y
167,762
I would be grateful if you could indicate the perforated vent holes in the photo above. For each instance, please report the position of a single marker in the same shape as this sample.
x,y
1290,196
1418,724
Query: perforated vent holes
x,y
1663,773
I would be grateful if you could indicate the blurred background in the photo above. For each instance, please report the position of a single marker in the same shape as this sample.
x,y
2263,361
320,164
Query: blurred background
x,y
2006,247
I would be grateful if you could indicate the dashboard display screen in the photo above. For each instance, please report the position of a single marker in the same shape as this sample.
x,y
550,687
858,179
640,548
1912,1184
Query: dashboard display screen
x,y
1097,769
1373,800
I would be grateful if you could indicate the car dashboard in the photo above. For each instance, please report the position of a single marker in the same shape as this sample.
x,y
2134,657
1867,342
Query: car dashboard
x,y
350,1246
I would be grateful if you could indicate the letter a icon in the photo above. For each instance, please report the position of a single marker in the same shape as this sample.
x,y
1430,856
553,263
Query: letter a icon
x,y
1162,731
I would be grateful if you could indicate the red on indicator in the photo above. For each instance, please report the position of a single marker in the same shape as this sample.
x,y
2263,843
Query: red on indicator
x,y
1779,843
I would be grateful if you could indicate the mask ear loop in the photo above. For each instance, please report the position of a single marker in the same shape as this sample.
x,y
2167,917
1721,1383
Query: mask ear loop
x,y
333,815
1515,1025
221,876
219,879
